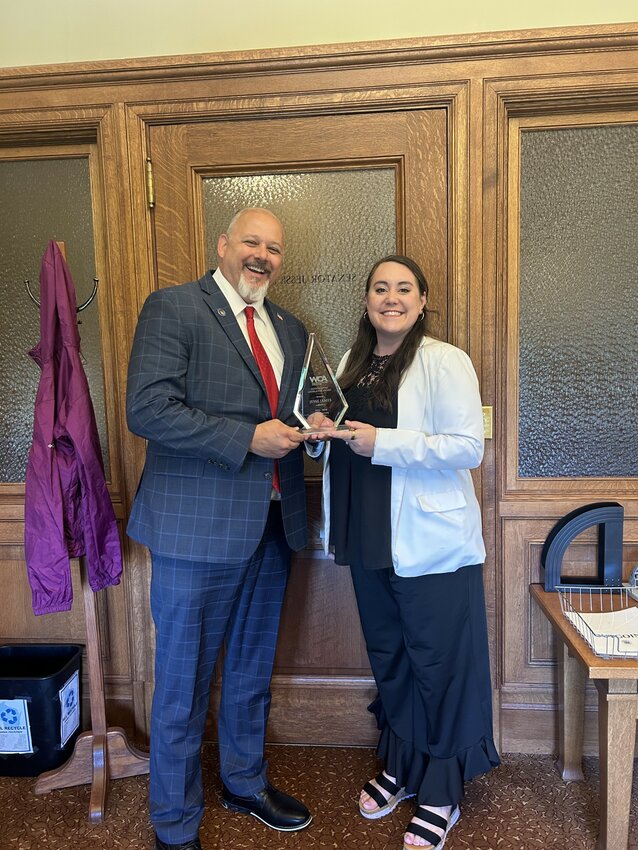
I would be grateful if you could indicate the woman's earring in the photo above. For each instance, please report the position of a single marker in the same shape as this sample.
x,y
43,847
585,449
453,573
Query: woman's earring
x,y
365,316
422,315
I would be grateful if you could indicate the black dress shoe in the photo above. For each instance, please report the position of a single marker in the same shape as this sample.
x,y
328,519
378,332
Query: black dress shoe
x,y
272,807
188,845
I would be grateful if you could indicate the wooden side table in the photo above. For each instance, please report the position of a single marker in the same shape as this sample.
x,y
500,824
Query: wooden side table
x,y
617,683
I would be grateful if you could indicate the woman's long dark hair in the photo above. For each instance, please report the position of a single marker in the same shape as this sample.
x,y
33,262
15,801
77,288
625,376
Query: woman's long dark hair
x,y
383,391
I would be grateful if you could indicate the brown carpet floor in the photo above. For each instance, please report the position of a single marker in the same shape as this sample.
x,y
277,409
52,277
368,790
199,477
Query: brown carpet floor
x,y
523,805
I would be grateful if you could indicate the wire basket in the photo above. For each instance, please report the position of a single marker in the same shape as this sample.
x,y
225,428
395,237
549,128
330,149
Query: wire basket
x,y
606,617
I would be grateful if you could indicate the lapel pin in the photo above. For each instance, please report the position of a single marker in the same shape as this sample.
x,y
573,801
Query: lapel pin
x,y
280,317
221,311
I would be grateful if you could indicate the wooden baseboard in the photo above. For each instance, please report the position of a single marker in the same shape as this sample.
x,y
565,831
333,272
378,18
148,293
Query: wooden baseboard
x,y
534,730
322,712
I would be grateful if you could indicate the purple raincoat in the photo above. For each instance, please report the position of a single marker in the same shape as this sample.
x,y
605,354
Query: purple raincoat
x,y
67,510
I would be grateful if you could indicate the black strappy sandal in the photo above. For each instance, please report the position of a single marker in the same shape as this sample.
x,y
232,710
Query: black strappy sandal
x,y
384,805
436,841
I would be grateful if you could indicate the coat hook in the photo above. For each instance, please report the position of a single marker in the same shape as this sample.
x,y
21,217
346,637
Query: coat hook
x,y
78,309
91,296
31,295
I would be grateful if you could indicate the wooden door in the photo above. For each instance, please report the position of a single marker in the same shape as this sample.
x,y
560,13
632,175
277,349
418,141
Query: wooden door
x,y
349,189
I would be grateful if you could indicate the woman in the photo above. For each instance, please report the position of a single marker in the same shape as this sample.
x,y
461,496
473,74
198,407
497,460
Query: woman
x,y
400,509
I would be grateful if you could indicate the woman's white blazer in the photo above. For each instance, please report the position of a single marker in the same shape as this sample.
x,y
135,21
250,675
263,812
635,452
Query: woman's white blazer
x,y
435,516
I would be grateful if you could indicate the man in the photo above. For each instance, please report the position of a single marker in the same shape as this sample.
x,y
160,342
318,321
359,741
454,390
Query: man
x,y
220,505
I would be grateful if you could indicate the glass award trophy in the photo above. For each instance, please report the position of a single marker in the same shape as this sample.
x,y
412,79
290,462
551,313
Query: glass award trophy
x,y
318,390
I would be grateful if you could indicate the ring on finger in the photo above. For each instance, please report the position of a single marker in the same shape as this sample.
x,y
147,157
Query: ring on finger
x,y
353,436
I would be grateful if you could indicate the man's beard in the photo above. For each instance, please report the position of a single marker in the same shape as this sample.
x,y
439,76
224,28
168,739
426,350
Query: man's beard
x,y
251,292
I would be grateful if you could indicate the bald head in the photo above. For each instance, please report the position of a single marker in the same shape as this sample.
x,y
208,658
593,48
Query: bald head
x,y
251,252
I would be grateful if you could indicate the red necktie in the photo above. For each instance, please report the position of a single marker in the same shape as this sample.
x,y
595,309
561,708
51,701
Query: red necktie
x,y
267,373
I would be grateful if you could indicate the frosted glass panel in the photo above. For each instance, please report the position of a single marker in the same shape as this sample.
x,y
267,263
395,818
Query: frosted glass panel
x,y
578,390
337,224
41,200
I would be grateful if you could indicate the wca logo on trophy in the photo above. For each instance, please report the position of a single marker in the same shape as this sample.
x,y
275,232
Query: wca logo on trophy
x,y
318,391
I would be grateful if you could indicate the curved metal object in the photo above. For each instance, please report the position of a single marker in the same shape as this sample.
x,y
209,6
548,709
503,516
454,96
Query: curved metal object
x,y
78,309
91,296
31,295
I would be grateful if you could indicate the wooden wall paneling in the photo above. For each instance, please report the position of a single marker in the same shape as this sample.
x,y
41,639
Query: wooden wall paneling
x,y
528,690
123,264
19,624
322,680
527,509
319,642
91,132
484,83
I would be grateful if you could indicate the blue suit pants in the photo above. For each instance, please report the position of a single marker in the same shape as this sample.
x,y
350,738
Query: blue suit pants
x,y
196,607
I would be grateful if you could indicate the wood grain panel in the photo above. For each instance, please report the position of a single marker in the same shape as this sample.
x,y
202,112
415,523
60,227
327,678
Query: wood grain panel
x,y
320,622
472,95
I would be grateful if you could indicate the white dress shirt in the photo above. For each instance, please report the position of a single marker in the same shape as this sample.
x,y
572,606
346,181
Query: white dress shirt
x,y
263,325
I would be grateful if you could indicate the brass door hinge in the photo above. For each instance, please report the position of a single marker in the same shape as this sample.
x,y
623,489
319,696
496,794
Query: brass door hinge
x,y
150,186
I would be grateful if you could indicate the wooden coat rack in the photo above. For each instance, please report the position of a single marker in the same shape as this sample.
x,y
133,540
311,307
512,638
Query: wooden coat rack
x,y
103,753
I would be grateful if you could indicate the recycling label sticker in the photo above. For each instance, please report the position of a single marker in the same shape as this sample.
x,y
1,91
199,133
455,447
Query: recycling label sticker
x,y
15,729
70,707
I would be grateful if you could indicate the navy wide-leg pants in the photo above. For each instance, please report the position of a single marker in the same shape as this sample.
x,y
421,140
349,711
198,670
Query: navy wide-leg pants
x,y
427,643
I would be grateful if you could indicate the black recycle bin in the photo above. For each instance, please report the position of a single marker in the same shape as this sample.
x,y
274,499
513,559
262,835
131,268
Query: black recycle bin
x,y
39,706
